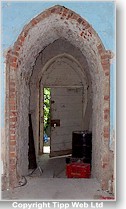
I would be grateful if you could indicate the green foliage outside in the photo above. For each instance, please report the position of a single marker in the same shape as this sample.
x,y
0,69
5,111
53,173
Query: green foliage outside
x,y
46,108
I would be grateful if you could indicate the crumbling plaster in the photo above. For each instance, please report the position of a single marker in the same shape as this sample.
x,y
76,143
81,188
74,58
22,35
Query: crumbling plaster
x,y
45,34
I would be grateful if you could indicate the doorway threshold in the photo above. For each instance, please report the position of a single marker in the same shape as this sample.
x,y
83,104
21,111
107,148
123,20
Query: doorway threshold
x,y
62,156
46,149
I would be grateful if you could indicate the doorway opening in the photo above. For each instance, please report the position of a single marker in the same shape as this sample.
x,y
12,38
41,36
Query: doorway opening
x,y
62,110
61,113
46,124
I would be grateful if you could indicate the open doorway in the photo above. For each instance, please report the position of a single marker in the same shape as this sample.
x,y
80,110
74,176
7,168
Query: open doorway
x,y
61,113
62,110
46,124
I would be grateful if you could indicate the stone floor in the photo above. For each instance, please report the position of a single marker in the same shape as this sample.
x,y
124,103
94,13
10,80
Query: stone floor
x,y
53,184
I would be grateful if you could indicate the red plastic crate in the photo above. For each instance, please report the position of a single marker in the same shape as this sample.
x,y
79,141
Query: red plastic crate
x,y
78,170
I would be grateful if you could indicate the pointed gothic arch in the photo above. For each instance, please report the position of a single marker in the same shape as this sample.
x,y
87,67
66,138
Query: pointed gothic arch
x,y
43,31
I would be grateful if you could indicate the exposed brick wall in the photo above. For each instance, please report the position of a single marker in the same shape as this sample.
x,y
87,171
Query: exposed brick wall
x,y
86,31
22,58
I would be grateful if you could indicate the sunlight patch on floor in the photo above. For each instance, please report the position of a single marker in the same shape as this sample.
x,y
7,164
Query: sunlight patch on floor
x,y
46,149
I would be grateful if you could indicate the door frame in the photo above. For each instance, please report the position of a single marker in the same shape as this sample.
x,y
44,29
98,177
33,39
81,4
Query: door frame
x,y
41,118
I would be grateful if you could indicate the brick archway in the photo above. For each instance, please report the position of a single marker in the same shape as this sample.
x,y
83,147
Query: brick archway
x,y
55,23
